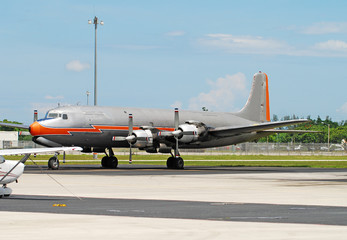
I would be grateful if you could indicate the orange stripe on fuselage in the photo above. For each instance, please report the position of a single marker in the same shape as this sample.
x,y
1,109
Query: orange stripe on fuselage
x,y
36,129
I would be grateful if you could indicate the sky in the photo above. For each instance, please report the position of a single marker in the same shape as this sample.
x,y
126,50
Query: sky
x,y
166,54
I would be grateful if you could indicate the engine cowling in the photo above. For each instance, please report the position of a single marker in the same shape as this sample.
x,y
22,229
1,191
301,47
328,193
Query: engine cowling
x,y
143,138
191,132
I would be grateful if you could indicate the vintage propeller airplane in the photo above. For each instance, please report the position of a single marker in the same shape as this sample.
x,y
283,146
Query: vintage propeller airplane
x,y
10,170
98,129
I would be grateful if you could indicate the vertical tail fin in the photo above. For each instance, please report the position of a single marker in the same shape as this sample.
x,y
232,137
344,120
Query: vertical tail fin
x,y
257,107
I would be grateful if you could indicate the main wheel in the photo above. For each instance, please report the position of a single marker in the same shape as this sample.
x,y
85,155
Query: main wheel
x,y
179,163
53,163
104,162
113,162
175,163
170,163
109,162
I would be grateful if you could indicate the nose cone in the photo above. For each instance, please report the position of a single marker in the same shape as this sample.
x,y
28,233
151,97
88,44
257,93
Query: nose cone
x,y
35,129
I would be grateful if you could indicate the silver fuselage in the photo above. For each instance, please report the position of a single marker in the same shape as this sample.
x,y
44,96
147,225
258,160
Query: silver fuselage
x,y
94,126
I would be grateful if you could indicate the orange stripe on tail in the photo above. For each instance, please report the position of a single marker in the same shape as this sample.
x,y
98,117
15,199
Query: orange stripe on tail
x,y
267,100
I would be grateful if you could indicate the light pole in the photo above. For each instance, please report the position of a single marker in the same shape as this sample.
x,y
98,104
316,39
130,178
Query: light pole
x,y
95,22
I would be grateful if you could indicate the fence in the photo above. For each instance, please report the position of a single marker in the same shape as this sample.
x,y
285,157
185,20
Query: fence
x,y
242,149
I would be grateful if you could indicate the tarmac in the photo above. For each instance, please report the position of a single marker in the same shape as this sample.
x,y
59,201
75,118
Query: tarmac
x,y
152,202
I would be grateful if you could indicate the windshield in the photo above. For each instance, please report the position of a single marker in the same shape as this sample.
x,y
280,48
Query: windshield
x,y
56,115
2,159
52,115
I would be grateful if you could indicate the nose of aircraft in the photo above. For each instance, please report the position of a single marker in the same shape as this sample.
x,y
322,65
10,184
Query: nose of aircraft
x,y
35,129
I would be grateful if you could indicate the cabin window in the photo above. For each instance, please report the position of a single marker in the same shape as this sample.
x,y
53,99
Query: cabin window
x,y
65,116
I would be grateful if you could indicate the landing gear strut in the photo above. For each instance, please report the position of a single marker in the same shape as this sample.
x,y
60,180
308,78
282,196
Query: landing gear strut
x,y
110,160
175,162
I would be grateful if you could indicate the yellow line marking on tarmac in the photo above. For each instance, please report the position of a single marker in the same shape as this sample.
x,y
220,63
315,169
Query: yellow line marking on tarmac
x,y
58,205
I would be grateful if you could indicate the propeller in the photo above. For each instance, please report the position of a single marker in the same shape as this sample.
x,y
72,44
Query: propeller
x,y
35,115
130,138
177,132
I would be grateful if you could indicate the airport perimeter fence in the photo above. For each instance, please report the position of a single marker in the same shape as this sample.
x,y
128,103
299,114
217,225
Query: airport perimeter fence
x,y
249,148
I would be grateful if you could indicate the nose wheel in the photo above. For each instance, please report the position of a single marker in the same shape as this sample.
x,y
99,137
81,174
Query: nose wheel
x,y
53,163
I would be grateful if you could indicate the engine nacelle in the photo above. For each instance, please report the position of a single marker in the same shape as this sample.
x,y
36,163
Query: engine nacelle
x,y
144,138
191,132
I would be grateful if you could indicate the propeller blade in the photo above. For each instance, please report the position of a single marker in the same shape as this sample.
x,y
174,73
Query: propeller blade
x,y
177,132
130,138
35,115
165,134
176,119
118,139
130,154
131,124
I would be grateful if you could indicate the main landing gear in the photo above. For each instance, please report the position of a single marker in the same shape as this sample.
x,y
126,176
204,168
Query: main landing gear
x,y
110,160
175,162
5,191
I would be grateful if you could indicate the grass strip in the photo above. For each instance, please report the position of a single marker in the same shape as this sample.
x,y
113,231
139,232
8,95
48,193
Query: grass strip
x,y
319,161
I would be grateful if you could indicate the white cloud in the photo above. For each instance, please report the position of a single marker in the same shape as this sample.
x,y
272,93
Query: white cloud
x,y
177,104
49,97
77,66
325,28
245,44
258,45
222,95
175,33
334,45
343,108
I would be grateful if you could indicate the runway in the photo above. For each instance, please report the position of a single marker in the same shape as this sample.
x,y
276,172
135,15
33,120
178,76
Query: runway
x,y
147,202
219,211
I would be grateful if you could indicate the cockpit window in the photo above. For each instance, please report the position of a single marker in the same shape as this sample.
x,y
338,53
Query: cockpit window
x,y
2,159
53,115
56,115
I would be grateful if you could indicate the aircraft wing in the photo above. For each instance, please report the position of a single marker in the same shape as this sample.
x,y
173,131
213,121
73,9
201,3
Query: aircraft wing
x,y
38,150
290,131
231,131
14,125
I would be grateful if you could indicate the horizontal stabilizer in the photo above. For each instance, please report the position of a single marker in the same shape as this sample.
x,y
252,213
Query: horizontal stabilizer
x,y
231,131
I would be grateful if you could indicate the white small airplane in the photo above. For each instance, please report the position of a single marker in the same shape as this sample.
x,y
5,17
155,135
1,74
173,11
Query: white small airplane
x,y
10,171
